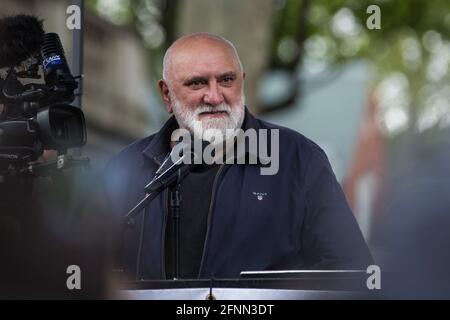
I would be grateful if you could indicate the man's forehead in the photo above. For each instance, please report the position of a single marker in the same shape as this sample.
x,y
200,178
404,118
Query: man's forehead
x,y
201,57
202,65
195,43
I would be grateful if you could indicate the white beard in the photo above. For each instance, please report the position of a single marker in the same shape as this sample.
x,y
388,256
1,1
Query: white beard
x,y
201,129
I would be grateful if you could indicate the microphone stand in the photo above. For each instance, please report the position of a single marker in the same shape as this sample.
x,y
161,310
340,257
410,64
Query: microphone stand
x,y
173,183
174,209
170,178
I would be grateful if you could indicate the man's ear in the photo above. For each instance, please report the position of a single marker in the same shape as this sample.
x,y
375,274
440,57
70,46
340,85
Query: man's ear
x,y
164,91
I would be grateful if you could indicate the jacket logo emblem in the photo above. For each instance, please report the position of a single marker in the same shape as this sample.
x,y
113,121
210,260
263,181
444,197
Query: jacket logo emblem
x,y
260,195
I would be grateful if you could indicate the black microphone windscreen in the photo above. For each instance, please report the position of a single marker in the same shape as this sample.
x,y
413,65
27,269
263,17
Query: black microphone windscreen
x,y
21,36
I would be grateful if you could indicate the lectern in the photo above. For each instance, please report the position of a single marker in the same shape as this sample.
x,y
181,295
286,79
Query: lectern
x,y
264,285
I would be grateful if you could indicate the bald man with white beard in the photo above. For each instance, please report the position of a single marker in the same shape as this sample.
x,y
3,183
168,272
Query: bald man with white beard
x,y
233,218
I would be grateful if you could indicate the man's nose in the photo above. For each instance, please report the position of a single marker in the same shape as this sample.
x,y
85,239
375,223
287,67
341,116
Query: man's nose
x,y
214,95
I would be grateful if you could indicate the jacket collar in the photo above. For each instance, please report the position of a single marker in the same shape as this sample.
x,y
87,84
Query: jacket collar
x,y
250,122
158,148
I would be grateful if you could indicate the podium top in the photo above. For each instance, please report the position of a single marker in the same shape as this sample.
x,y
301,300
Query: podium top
x,y
334,280
303,274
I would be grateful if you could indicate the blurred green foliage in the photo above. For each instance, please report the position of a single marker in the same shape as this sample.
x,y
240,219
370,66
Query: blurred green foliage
x,y
410,51
152,20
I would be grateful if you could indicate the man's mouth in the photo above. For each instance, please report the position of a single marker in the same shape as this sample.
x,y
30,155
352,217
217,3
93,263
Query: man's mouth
x,y
213,114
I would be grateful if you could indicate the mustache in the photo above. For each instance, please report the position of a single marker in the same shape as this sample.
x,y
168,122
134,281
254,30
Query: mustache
x,y
223,107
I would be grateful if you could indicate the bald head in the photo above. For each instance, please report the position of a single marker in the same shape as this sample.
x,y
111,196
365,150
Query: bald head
x,y
203,83
190,44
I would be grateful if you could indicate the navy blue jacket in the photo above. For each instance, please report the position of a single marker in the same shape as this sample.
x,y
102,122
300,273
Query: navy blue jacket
x,y
302,220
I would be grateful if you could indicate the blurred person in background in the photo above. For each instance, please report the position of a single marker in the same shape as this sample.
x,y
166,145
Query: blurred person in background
x,y
417,228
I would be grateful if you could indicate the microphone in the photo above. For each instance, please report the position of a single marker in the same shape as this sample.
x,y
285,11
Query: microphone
x,y
21,37
56,68
168,162
175,166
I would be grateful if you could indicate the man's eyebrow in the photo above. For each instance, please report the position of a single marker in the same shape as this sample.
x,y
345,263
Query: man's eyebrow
x,y
194,79
227,74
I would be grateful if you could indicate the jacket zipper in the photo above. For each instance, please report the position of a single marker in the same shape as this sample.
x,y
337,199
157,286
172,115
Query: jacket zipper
x,y
211,203
163,240
141,237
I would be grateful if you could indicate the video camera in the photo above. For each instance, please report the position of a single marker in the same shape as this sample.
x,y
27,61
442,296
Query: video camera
x,y
35,116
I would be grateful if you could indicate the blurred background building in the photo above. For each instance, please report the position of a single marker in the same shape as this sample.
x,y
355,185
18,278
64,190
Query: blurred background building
x,y
118,100
370,84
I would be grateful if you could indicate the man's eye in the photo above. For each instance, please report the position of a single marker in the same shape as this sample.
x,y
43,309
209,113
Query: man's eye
x,y
227,80
196,83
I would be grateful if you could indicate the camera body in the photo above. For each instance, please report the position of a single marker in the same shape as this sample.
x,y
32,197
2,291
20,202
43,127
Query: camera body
x,y
38,116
